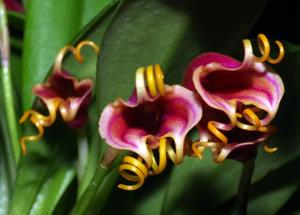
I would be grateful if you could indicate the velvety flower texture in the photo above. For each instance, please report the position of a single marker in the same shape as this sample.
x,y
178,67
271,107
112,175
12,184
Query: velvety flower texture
x,y
143,120
71,97
226,87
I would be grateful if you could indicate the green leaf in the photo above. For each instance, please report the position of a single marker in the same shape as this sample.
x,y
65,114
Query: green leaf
x,y
52,190
104,192
292,205
7,104
4,182
92,8
200,185
274,190
49,158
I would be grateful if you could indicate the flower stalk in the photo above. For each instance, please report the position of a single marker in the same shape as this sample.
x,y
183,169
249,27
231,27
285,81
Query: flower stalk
x,y
83,147
244,186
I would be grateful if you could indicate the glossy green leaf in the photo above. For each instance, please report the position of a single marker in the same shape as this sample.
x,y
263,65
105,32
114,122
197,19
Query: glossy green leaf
x,y
7,104
104,192
198,186
45,159
91,8
4,182
292,205
274,190
52,190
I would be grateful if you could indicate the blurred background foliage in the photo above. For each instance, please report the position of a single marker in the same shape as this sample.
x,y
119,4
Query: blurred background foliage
x,y
133,33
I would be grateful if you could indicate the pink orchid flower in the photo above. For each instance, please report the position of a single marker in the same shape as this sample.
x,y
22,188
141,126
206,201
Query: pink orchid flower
x,y
235,94
61,93
73,97
140,122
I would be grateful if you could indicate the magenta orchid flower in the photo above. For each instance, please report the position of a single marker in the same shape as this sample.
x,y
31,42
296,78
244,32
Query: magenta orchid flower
x,y
61,93
235,94
71,97
140,123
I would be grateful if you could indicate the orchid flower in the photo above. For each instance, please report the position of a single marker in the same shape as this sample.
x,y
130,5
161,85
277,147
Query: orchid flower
x,y
239,98
64,93
156,117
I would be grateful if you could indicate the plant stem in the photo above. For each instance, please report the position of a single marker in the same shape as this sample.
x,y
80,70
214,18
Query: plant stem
x,y
91,165
86,199
82,144
104,191
244,185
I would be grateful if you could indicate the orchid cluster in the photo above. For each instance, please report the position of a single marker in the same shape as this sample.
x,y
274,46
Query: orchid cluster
x,y
230,102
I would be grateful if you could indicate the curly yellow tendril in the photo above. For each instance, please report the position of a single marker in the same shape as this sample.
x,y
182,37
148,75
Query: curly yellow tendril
x,y
270,149
76,51
151,76
213,129
40,121
158,168
140,171
198,148
250,115
155,80
265,49
255,125
135,170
